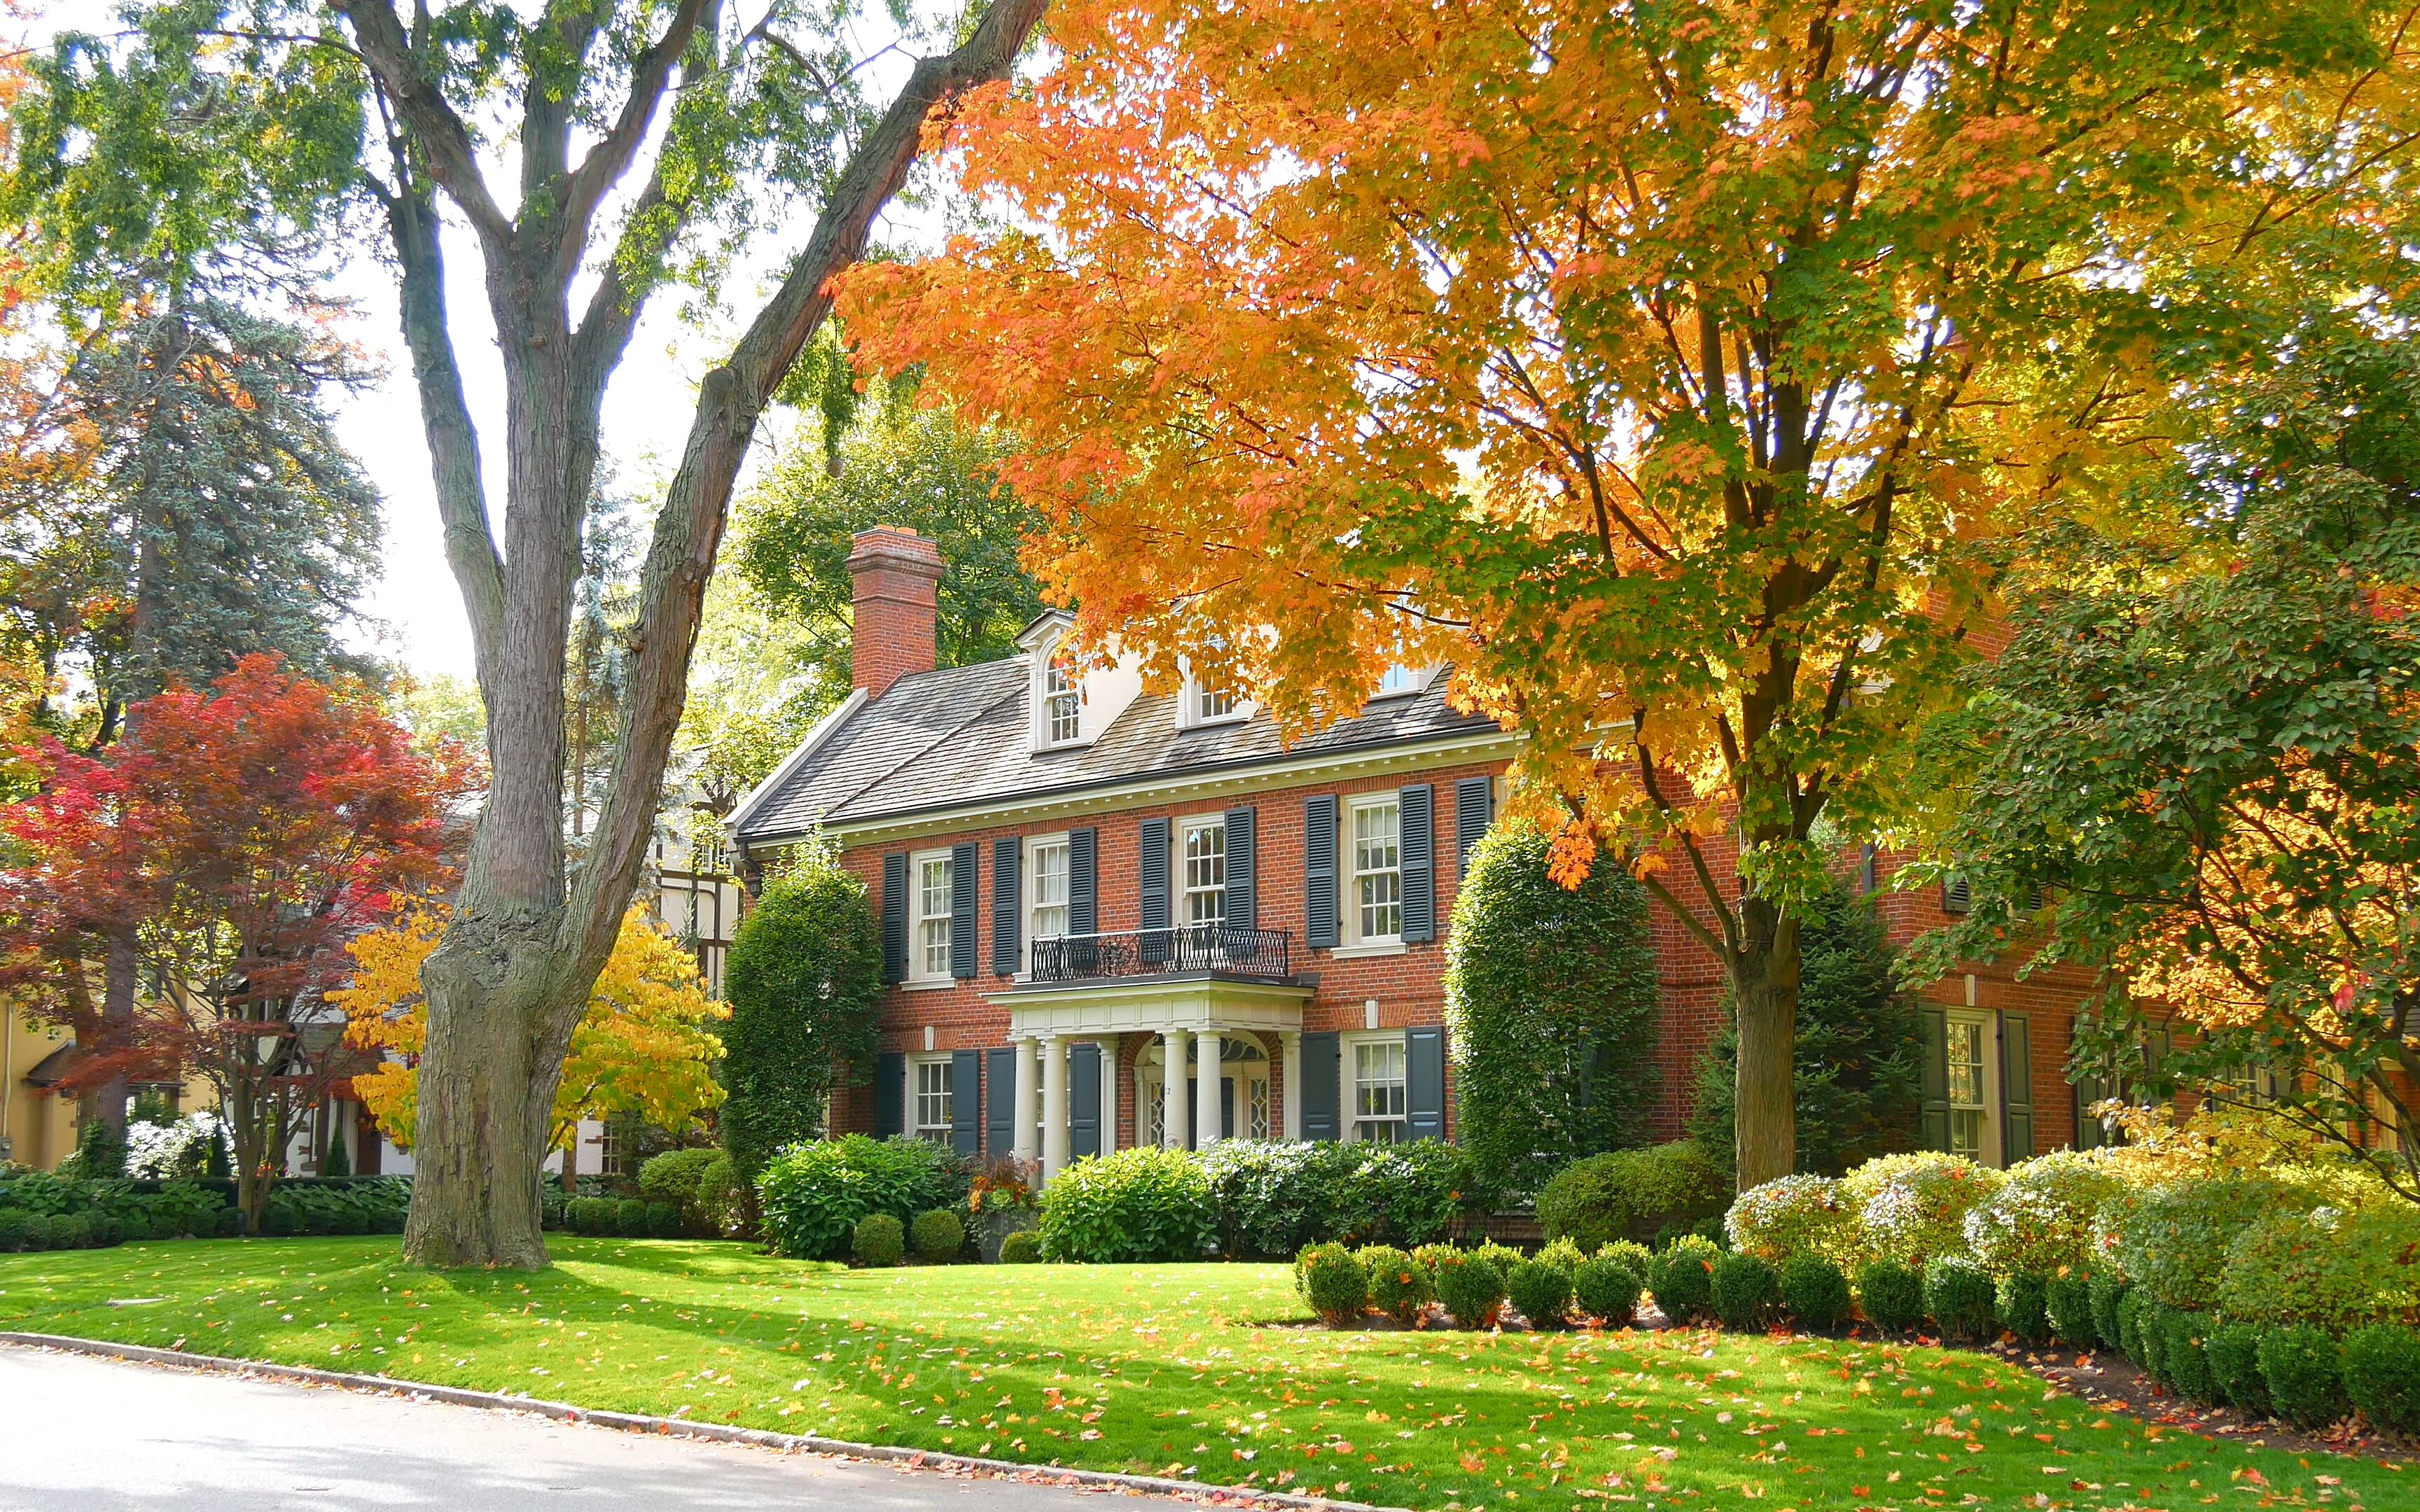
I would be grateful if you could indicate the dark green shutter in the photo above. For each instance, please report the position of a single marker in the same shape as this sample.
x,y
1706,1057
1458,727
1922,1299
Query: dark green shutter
x,y
1474,809
965,860
1424,1081
999,1103
1243,876
1416,851
890,1094
1083,881
1932,1118
895,917
1318,1090
1152,867
1083,1101
966,1102
1319,921
2016,1088
1007,903
2089,1089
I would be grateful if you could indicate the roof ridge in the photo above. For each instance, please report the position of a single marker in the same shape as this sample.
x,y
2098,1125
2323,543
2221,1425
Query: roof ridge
x,y
892,770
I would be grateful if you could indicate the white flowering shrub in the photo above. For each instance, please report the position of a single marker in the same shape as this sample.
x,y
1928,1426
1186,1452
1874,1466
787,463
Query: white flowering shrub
x,y
167,1151
2040,1220
1795,1215
1913,1208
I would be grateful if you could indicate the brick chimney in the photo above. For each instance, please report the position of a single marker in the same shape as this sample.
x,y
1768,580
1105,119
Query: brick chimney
x,y
895,595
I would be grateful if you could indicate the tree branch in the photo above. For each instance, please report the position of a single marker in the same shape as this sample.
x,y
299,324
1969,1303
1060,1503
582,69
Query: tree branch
x,y
453,157
609,159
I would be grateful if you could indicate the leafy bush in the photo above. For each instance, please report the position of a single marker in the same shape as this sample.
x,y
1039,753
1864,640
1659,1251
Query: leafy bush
x,y
2324,1268
41,1231
2041,1219
1333,1281
721,1198
672,1177
2381,1376
2232,1351
1275,1197
805,978
2181,1359
1408,1194
630,1218
2067,1306
1502,1257
1814,1292
13,1229
2172,1241
812,1196
1913,1208
2022,1303
1564,1254
587,1215
664,1220
1022,1247
1542,1291
1744,1290
1961,1300
1471,1286
1856,1081
1631,1194
2303,1370
938,1235
879,1240
1607,1289
1795,1215
1400,1286
1630,1253
1891,1295
2109,1292
1681,1280
1135,1207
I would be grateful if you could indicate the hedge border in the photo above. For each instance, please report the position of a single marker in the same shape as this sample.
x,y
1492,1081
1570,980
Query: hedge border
x,y
683,1427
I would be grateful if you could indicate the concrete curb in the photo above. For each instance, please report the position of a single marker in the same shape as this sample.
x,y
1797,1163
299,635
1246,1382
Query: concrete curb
x,y
682,1428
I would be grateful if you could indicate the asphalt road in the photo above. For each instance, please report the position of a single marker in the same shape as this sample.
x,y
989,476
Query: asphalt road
x,y
102,1435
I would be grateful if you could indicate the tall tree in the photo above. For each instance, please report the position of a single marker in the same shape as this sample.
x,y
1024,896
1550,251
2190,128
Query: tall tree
x,y
598,154
1660,365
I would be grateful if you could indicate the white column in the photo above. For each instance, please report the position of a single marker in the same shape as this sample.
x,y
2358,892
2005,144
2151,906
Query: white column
x,y
1109,1094
1173,1043
1054,1105
1290,1062
1208,1129
1022,1117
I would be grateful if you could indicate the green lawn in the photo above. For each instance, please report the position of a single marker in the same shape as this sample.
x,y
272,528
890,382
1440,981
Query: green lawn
x,y
1172,1371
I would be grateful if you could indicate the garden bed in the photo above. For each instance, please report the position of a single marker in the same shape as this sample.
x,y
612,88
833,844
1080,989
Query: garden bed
x,y
2109,1378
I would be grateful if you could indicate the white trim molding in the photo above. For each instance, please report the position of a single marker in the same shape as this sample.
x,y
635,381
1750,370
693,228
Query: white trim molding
x,y
807,747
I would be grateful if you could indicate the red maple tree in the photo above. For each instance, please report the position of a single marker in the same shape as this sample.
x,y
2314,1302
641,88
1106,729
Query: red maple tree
x,y
184,902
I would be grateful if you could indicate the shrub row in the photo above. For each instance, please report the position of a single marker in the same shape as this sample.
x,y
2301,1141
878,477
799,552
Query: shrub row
x,y
938,1236
1557,1286
193,1209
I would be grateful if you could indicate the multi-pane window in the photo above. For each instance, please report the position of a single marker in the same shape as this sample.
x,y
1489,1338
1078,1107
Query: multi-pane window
x,y
1967,1088
1378,1091
1049,889
933,1110
609,1150
1377,872
933,916
1399,679
1213,704
1062,702
1205,873
1256,1096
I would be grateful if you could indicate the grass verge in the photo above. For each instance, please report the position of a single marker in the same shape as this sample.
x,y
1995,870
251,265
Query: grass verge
x,y
1181,1371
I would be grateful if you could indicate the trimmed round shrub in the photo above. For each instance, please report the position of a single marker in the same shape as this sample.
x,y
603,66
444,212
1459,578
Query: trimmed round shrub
x,y
721,1194
1632,1193
1564,1254
1891,1295
12,1230
1913,1208
1332,1280
1022,1247
1607,1289
1502,1257
2067,1304
1630,1253
672,1177
135,1224
1542,1291
2041,1218
1471,1287
2232,1351
938,1236
1682,1279
2021,1300
664,1220
1795,1215
2172,1241
630,1218
1744,1290
41,1232
812,1196
1400,1286
2304,1369
2381,1376
74,1231
2324,1268
879,1240
591,1216
2187,1371
1961,1301
1135,1207
2109,1290
1814,1293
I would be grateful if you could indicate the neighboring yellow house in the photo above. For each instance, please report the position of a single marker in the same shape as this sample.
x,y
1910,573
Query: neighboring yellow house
x,y
36,1128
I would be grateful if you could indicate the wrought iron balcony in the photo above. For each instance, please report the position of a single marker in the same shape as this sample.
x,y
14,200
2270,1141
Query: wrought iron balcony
x,y
1216,950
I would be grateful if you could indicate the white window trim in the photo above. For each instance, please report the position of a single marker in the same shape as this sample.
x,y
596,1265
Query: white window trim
x,y
1352,941
1364,952
1029,874
1993,1150
1179,913
1189,709
918,977
916,1064
1044,653
1347,1057
1419,682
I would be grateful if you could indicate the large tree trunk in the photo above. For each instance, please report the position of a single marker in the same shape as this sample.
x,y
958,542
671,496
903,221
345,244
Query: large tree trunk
x,y
1763,973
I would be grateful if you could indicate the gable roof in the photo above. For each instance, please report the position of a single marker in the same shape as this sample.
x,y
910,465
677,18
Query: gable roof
x,y
962,737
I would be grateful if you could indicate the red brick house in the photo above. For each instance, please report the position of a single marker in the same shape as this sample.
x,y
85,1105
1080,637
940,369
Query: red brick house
x,y
1082,884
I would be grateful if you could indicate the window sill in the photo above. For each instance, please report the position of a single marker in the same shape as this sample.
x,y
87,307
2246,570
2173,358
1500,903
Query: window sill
x,y
1377,947
941,984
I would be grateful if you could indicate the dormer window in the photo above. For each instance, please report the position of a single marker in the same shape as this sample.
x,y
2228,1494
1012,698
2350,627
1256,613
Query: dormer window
x,y
1400,679
1214,704
1062,703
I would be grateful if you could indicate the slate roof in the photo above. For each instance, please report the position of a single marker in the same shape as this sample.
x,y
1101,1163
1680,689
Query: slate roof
x,y
945,739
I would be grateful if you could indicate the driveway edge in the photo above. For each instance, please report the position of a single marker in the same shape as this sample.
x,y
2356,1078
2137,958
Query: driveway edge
x,y
682,1428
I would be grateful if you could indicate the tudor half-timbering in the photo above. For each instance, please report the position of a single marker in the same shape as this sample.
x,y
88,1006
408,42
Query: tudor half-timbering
x,y
1083,884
